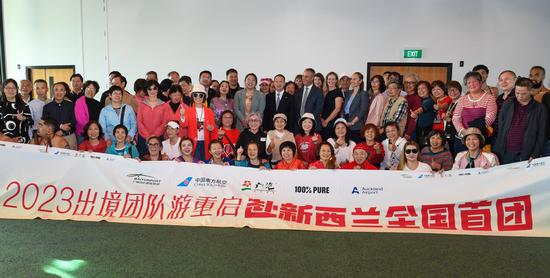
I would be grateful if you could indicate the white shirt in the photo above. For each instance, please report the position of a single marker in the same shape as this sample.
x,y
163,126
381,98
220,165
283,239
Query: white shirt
x,y
422,167
278,97
36,107
342,154
172,151
392,158
304,99
200,118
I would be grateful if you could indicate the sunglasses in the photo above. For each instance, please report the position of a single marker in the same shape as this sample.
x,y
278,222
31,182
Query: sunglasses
x,y
408,151
201,95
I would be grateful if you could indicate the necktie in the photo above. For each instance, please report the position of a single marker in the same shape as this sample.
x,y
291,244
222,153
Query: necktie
x,y
278,101
304,99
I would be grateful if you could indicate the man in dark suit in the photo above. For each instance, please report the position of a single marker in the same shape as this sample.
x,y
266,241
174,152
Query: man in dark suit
x,y
308,100
278,102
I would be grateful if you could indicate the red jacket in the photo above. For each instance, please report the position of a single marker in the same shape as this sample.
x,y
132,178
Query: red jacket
x,y
295,164
170,115
150,120
306,148
374,158
191,123
365,166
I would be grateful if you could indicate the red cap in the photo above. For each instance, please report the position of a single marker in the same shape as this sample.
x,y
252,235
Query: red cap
x,y
361,147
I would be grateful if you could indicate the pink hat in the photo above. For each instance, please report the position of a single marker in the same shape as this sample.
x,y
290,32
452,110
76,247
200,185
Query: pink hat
x,y
265,80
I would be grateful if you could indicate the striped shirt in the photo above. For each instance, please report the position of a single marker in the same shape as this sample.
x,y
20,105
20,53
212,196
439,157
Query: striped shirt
x,y
444,157
468,110
514,137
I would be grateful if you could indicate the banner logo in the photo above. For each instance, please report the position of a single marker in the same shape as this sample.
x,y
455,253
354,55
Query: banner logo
x,y
185,182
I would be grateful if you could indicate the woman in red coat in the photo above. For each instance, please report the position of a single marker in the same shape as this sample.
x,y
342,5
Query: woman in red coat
x,y
307,140
290,161
174,108
200,122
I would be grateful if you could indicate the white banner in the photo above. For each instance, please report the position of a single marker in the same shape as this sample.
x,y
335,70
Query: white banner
x,y
510,200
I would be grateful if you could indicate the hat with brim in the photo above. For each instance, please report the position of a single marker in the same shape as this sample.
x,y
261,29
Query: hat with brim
x,y
173,124
198,88
307,116
471,131
280,115
340,120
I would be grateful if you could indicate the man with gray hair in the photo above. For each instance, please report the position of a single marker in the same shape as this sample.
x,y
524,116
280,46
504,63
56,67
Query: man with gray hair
x,y
395,76
25,88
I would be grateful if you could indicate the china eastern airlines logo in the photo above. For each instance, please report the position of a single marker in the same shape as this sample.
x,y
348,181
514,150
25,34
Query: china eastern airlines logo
x,y
185,182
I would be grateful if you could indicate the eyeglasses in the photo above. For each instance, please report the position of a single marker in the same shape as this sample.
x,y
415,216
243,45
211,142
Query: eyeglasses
x,y
153,88
153,144
199,95
408,151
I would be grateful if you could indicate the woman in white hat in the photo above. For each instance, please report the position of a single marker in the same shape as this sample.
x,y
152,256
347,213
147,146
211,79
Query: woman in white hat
x,y
277,136
307,140
201,123
171,146
474,157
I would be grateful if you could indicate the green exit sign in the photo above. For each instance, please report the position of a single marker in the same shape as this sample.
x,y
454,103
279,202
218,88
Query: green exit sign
x,y
412,53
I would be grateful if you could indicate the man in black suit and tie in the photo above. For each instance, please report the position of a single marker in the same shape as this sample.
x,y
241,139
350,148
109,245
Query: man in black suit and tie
x,y
278,102
308,100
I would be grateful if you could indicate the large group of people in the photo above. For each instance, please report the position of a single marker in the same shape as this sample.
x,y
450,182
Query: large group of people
x,y
389,122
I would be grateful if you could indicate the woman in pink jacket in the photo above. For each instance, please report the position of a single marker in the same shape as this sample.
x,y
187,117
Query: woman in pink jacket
x,y
150,117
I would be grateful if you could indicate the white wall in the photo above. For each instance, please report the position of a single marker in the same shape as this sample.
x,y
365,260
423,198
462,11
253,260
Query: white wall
x,y
40,32
268,37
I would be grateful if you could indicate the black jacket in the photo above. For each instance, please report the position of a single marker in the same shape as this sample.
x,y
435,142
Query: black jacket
x,y
534,136
286,106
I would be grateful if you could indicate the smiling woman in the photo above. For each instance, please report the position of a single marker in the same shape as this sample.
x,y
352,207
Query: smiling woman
x,y
15,115
154,149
